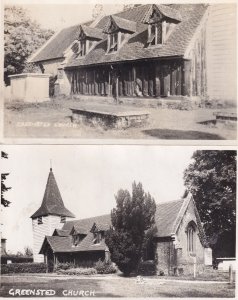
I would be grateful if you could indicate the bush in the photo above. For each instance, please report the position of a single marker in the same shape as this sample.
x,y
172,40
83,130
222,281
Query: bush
x,y
78,271
104,267
64,266
24,268
147,268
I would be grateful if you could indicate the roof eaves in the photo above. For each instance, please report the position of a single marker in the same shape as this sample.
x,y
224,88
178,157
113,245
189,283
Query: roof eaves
x,y
35,54
181,213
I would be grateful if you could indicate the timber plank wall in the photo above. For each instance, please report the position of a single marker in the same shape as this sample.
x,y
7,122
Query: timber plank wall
x,y
148,79
221,52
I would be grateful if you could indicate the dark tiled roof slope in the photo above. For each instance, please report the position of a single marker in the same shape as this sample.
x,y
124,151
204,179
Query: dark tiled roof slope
x,y
93,32
83,226
60,232
52,203
135,48
56,47
165,218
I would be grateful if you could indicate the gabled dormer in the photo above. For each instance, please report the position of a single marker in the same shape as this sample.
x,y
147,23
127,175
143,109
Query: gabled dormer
x,y
118,30
161,20
98,233
87,39
77,236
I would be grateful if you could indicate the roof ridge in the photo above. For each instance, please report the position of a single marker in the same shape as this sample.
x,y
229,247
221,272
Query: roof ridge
x,y
170,201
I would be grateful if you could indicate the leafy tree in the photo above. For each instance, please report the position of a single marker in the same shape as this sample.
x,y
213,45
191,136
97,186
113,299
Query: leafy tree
x,y
211,178
133,216
4,188
22,37
97,11
28,251
129,6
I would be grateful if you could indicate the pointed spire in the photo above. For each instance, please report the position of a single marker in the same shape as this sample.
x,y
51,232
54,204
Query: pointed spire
x,y
52,203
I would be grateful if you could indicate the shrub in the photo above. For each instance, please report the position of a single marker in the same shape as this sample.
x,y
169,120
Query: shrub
x,y
147,268
64,266
104,267
78,271
24,268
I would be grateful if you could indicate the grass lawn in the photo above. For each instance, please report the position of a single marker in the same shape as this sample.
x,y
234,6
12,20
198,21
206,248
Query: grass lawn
x,y
53,120
118,286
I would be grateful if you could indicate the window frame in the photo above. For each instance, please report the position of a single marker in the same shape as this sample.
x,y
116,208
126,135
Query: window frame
x,y
191,238
113,42
39,220
62,219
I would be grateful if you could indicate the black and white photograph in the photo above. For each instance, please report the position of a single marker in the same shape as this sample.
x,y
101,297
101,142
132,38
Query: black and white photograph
x,y
157,71
118,221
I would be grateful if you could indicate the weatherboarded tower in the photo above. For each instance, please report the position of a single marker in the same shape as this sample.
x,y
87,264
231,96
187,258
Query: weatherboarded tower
x,y
51,215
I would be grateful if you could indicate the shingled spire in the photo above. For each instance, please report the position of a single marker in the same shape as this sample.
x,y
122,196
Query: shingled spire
x,y
52,203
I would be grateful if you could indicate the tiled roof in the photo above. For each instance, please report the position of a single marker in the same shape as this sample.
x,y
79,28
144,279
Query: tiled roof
x,y
165,218
60,232
92,32
189,14
59,43
122,23
170,12
52,203
135,48
83,226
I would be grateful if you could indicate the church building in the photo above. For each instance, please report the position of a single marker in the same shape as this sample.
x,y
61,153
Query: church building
x,y
180,51
179,241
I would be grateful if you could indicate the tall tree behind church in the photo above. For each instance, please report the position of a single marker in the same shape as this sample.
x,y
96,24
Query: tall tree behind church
x,y
211,178
22,37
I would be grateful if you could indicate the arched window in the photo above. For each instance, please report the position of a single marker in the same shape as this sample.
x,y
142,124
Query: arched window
x,y
191,238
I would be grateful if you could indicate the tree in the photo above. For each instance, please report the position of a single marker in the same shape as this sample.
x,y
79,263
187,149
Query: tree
x,y
133,216
97,11
4,188
129,6
28,251
211,178
22,37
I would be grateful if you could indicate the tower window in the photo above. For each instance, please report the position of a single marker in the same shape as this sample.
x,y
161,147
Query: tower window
x,y
62,219
39,220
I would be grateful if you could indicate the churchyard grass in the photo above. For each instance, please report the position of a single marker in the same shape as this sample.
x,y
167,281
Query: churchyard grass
x,y
53,119
115,286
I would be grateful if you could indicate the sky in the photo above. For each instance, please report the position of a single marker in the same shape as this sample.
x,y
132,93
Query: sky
x,y
88,177
56,16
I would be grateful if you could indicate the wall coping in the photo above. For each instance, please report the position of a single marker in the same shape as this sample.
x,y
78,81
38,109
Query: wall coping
x,y
24,75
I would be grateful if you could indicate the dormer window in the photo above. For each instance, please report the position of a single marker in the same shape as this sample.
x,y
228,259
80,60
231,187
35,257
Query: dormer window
x,y
118,31
155,34
113,42
62,219
97,237
161,21
39,221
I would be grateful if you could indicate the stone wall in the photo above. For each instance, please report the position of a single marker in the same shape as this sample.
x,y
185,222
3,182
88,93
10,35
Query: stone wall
x,y
184,259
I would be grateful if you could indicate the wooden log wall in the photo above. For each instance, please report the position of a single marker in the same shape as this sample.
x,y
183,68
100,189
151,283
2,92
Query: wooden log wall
x,y
198,66
148,79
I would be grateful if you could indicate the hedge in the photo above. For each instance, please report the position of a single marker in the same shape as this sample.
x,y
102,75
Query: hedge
x,y
24,268
78,271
